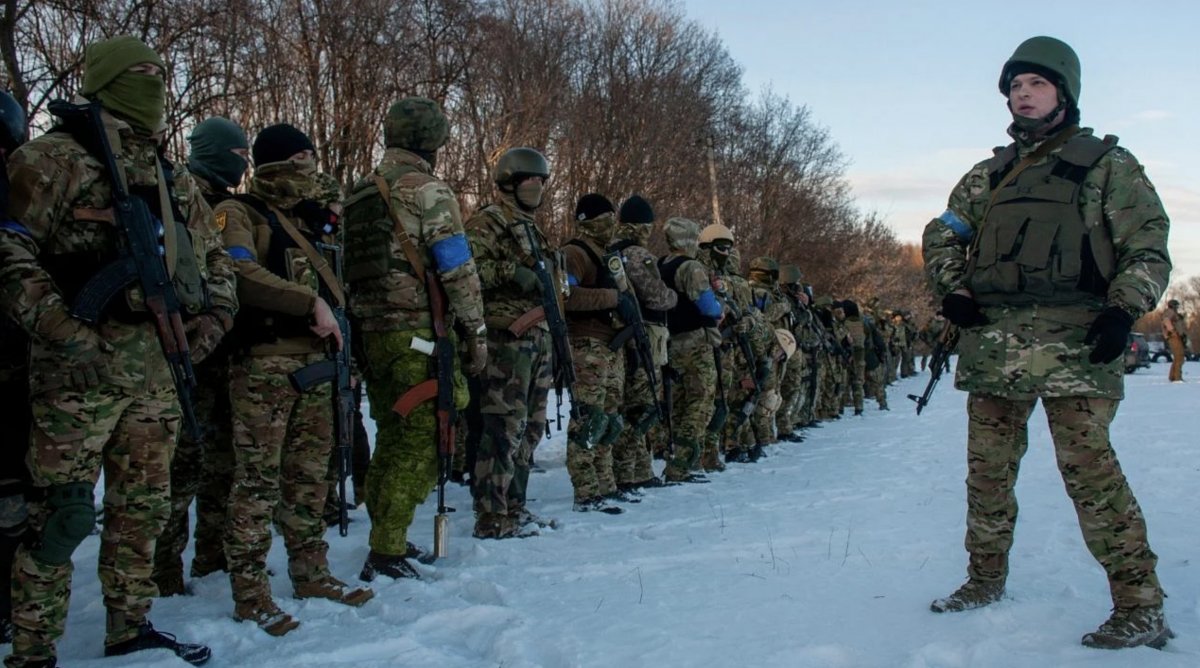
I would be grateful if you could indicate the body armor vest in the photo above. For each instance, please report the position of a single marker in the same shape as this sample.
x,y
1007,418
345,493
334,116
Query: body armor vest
x,y
686,316
370,233
1034,246
256,325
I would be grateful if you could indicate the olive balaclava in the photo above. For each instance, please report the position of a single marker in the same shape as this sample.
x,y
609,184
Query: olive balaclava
x,y
139,99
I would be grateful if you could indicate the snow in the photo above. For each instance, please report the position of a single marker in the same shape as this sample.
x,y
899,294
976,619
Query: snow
x,y
826,554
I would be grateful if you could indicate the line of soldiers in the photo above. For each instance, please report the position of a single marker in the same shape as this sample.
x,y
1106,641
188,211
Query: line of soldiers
x,y
458,326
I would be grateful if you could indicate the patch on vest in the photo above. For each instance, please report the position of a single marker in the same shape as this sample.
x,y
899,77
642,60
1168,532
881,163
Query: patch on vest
x,y
219,220
614,265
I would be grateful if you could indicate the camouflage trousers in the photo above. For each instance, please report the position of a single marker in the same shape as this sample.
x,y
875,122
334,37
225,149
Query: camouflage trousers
x,y
768,405
202,471
833,389
908,362
404,467
875,387
632,461
791,390
855,377
692,399
599,386
739,395
131,435
282,442
890,360
513,399
1110,518
814,376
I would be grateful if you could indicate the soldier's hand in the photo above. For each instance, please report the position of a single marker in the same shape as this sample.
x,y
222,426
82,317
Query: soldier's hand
x,y
1110,333
324,324
961,309
477,355
527,279
205,331
84,360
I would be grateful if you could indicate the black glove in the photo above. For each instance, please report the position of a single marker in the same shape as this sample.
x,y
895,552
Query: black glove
x,y
1110,333
627,308
962,310
527,279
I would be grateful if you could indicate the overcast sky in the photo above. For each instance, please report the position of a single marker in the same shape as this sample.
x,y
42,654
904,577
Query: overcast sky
x,y
909,90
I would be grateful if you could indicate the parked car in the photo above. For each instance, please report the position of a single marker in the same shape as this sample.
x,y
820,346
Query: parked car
x,y
1158,351
1137,354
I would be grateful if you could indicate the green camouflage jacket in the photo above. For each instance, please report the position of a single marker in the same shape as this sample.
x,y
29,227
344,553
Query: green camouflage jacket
x,y
1038,350
499,244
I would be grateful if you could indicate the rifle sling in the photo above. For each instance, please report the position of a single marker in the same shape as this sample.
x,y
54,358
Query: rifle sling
x,y
406,242
318,261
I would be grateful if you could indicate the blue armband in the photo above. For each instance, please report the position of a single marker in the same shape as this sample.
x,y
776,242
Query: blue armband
x,y
451,253
572,281
956,225
240,253
14,226
708,304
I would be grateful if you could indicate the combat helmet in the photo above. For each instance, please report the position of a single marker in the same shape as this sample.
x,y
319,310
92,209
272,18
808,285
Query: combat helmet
x,y
715,232
415,123
517,163
12,122
682,234
766,265
1045,55
787,341
789,274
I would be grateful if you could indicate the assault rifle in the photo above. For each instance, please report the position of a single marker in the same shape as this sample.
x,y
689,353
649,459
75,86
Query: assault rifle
x,y
641,346
743,343
564,364
140,260
939,362
335,369
670,377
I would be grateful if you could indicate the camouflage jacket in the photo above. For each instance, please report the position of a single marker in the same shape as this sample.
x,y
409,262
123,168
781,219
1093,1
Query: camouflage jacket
x,y
429,212
1038,350
247,234
499,243
61,208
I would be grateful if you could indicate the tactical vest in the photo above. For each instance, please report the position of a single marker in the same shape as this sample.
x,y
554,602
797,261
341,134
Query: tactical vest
x,y
369,232
1034,246
256,325
686,316
604,280
652,316
72,271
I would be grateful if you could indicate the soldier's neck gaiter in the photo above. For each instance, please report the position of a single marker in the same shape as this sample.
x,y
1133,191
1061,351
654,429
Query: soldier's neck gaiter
x,y
140,99
529,194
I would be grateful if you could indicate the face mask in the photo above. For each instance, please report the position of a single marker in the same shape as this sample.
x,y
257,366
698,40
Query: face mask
x,y
529,194
140,99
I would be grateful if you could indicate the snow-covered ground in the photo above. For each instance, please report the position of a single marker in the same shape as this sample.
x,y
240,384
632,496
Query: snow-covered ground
x,y
825,555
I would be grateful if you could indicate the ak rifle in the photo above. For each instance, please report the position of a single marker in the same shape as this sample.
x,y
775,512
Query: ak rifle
x,y
938,363
564,364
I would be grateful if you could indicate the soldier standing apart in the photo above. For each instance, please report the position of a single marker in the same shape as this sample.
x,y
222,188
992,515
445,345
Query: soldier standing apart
x,y
632,462
518,375
1174,329
282,440
858,350
101,395
14,393
1053,329
218,159
404,238
600,304
693,327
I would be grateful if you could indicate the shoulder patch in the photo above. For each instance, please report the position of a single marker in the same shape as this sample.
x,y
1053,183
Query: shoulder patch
x,y
614,264
219,220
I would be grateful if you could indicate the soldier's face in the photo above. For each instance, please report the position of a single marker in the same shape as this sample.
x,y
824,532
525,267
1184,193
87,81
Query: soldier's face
x,y
1032,96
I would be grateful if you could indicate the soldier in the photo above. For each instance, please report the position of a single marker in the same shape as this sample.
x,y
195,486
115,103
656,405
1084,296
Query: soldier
x,y
693,326
282,440
401,220
99,397
1174,331
203,470
599,305
1053,329
906,328
14,393
768,298
857,341
517,380
632,463
875,355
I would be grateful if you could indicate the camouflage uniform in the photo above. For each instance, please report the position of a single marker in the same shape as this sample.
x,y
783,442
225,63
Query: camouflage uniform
x,y
857,336
127,417
693,334
768,298
1032,346
392,305
631,453
282,440
517,381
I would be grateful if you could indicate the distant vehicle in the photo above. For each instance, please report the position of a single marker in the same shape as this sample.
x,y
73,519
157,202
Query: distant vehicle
x,y
1137,353
1160,353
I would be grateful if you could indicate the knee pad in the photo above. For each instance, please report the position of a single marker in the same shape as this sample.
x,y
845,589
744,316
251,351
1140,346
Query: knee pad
x,y
71,519
646,421
615,425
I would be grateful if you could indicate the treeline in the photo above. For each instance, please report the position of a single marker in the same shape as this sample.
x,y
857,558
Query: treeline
x,y
623,96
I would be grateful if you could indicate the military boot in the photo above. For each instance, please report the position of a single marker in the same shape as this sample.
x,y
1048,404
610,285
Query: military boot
x,y
149,638
170,583
596,504
1131,627
390,565
263,611
203,564
332,589
494,525
756,453
973,594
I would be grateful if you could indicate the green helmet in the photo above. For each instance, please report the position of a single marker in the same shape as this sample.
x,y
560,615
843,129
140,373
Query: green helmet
x,y
415,123
789,274
1045,53
765,263
519,162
